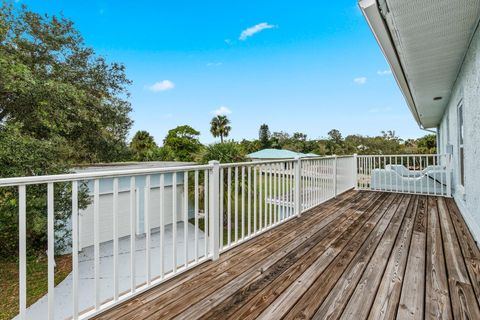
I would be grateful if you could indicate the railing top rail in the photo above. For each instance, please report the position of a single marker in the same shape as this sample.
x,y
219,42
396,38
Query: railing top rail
x,y
15,181
254,163
318,158
403,155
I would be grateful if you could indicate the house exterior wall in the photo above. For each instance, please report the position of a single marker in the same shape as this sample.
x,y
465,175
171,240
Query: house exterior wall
x,y
466,91
86,229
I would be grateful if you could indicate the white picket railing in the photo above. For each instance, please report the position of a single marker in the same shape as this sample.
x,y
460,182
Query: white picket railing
x,y
427,174
133,229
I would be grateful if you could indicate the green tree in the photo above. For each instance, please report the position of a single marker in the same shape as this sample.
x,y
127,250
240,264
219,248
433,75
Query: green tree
x,y
279,139
227,152
60,104
250,146
52,85
182,143
22,155
427,144
334,142
143,146
264,136
220,127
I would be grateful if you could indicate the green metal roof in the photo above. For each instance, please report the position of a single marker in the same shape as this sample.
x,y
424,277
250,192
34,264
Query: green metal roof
x,y
278,154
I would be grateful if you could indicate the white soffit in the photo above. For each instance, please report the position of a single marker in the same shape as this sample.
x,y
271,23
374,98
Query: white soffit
x,y
430,39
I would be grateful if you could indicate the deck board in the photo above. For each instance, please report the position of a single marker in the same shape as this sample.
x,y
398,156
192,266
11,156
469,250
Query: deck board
x,y
364,254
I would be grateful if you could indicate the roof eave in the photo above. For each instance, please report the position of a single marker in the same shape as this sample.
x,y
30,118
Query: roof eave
x,y
382,34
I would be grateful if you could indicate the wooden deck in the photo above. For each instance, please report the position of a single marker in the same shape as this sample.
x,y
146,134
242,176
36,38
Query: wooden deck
x,y
363,255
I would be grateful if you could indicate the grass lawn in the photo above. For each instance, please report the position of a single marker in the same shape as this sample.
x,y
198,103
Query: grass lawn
x,y
37,285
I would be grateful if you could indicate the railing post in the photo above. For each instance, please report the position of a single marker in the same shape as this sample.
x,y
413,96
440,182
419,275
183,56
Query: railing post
x,y
214,209
449,175
335,176
298,186
355,171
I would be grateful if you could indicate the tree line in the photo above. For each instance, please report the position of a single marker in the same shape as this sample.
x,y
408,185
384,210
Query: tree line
x,y
182,144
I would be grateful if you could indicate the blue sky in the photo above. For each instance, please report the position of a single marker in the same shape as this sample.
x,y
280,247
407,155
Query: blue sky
x,y
296,65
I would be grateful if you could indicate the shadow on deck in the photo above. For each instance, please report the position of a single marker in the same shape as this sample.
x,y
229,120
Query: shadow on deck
x,y
364,254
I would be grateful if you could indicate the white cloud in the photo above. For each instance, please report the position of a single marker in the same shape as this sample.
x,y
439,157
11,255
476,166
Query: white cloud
x,y
163,85
255,29
384,72
222,111
360,80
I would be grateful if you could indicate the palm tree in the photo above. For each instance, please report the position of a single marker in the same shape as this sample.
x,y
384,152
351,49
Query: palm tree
x,y
219,127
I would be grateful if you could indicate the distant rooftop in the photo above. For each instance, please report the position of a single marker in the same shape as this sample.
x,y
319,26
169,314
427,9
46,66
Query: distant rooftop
x,y
278,154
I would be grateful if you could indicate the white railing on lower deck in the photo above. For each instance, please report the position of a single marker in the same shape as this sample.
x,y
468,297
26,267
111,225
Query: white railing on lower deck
x,y
427,174
133,229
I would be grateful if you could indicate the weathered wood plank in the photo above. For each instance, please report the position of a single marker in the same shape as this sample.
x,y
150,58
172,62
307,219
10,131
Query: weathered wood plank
x,y
473,267
319,283
336,301
464,302
387,299
437,298
189,281
349,257
252,298
465,238
412,298
177,300
360,302
469,248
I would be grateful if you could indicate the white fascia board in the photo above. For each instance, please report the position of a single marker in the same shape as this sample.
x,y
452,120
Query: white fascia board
x,y
382,34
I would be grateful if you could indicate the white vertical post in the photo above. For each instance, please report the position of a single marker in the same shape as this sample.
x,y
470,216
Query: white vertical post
x,y
75,249
355,171
115,239
96,240
185,217
196,214
174,222
297,186
162,224
229,206
22,226
146,218
449,175
51,250
133,219
214,209
335,175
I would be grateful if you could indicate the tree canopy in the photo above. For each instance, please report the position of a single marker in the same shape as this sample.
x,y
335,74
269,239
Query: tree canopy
x,y
220,127
264,135
143,146
60,105
182,143
52,86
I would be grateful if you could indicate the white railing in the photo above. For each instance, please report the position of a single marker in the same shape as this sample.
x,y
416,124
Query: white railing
x,y
255,197
416,174
133,229
131,249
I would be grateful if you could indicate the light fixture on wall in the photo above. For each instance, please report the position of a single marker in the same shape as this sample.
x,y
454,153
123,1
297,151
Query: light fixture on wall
x,y
437,98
